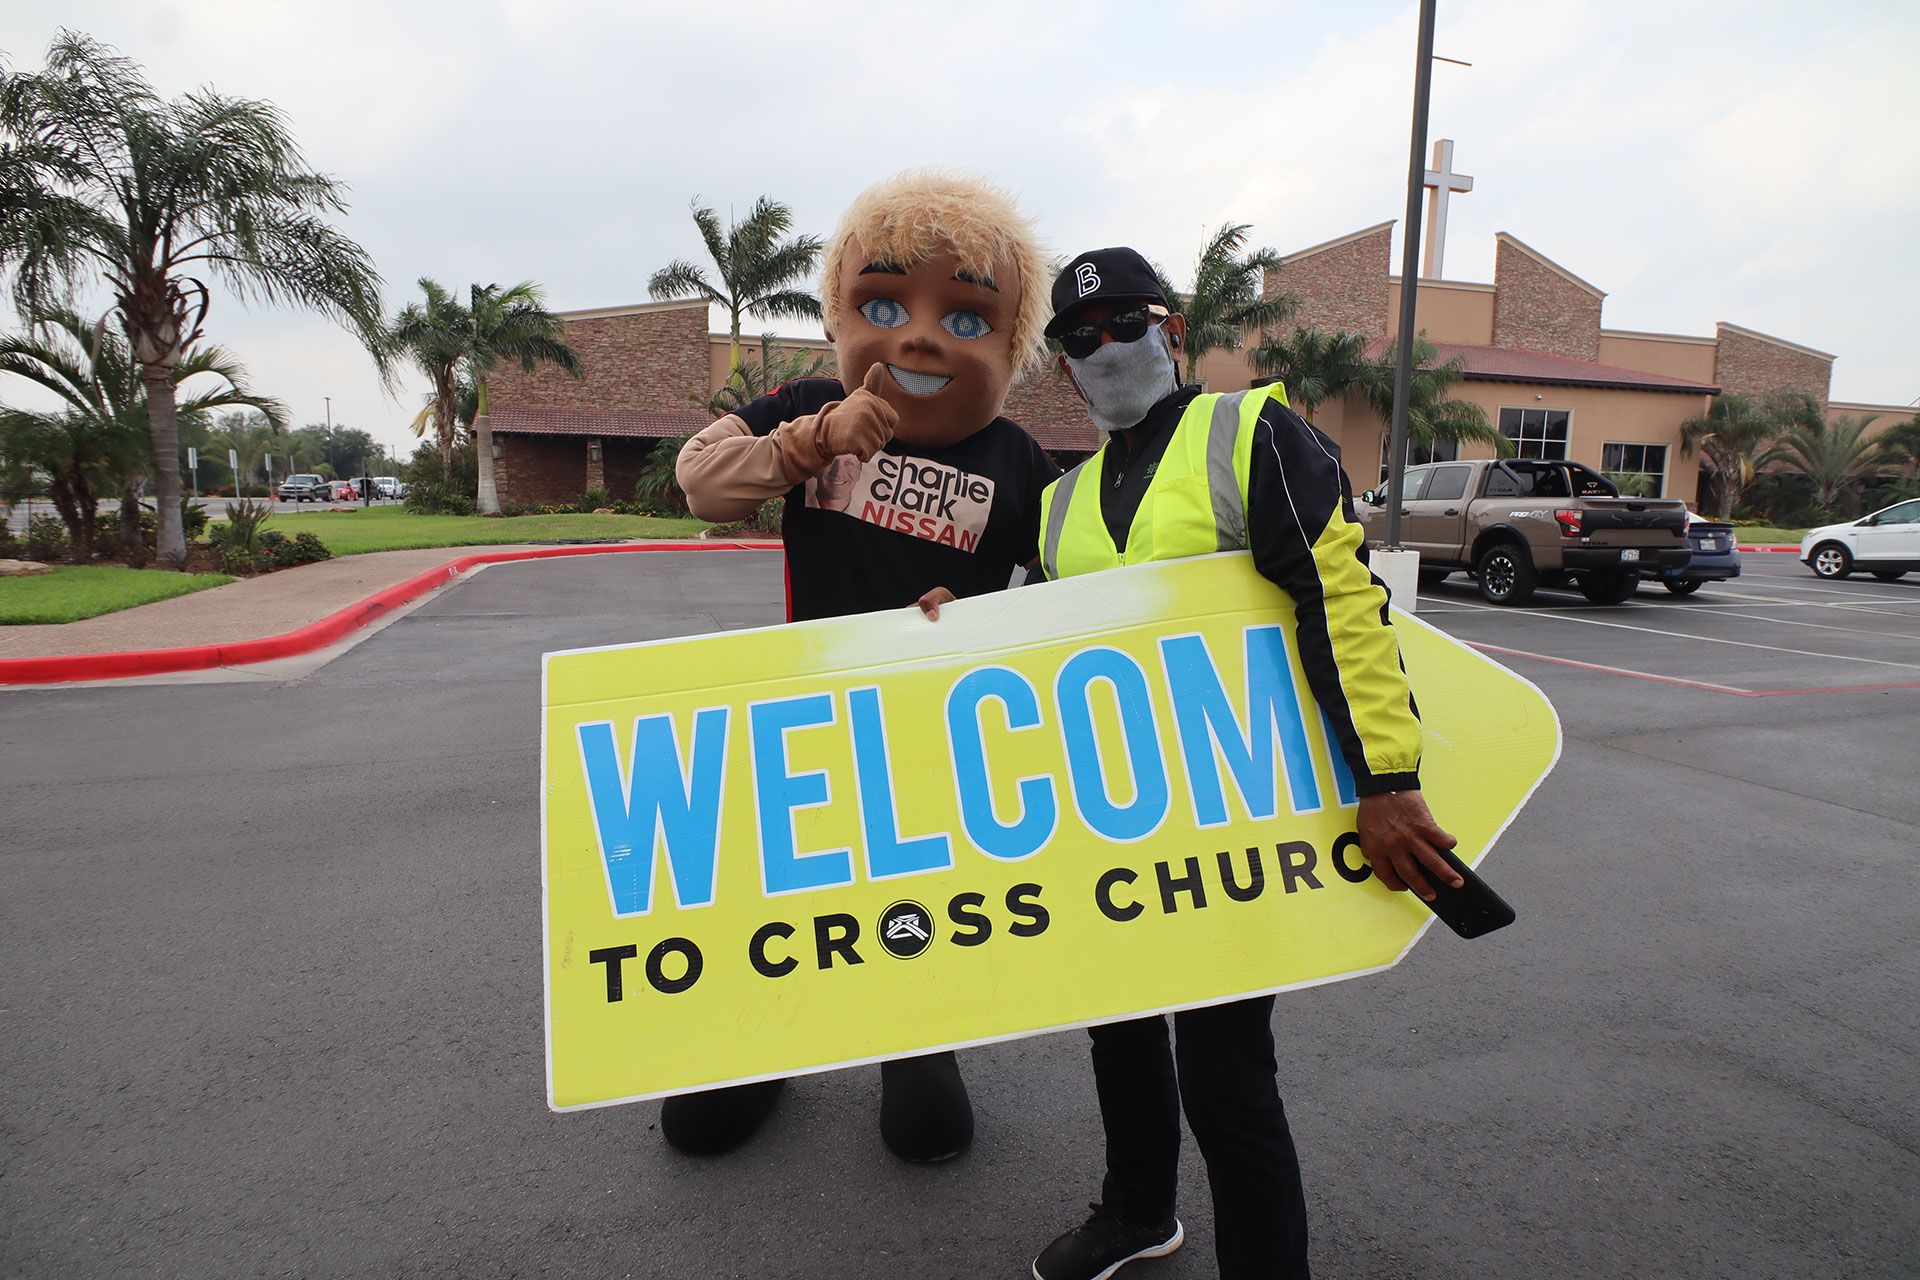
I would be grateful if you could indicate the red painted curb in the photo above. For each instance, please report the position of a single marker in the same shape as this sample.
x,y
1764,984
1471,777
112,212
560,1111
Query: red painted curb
x,y
315,635
1776,549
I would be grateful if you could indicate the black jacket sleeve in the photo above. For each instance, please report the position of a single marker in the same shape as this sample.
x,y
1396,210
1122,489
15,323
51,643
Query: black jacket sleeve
x,y
1304,536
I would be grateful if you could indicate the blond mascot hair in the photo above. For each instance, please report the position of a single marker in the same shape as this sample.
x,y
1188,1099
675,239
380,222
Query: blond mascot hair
x,y
914,215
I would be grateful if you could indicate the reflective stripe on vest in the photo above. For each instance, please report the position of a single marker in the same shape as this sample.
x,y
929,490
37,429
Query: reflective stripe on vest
x,y
1196,502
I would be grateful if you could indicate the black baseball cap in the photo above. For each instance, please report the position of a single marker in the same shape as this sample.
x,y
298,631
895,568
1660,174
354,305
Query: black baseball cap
x,y
1102,275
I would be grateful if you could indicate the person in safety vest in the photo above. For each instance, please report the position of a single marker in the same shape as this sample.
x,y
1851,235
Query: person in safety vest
x,y
904,485
1183,473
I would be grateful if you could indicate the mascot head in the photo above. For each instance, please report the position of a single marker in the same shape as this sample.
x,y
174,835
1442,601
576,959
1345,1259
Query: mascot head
x,y
940,279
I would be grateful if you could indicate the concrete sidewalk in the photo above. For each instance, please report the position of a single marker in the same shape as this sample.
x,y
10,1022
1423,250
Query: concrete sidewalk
x,y
249,609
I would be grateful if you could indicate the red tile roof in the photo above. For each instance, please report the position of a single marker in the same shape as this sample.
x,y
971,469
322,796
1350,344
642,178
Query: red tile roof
x,y
1510,364
645,425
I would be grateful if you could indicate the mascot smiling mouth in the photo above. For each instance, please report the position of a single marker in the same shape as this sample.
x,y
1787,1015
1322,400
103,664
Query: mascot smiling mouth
x,y
915,383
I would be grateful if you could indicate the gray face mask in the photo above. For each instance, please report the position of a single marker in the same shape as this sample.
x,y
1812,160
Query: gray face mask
x,y
1122,380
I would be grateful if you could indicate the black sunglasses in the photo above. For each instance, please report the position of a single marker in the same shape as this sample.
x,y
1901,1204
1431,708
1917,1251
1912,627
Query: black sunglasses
x,y
1127,326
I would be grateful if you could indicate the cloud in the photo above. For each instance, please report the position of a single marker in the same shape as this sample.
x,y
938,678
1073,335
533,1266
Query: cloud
x,y
1700,161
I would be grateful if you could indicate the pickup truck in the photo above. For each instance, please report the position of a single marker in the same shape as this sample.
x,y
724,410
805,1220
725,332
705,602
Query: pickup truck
x,y
303,488
1519,523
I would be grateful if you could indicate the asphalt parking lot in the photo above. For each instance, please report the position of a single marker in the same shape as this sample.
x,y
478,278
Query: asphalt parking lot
x,y
272,982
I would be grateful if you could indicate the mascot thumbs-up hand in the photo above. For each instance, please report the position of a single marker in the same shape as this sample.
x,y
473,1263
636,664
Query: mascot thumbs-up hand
x,y
859,425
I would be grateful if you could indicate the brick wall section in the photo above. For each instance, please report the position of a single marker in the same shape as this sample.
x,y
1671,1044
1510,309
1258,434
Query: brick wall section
x,y
1343,288
536,470
1046,404
1535,308
1753,366
533,470
649,360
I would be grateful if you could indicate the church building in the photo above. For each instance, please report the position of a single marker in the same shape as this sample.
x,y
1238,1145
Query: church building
x,y
1534,352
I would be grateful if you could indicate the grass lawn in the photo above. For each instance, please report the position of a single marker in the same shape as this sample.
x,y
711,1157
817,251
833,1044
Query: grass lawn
x,y
396,529
72,592
1765,534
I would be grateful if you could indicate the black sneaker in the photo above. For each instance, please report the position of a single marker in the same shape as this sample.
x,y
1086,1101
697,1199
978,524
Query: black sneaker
x,y
1104,1244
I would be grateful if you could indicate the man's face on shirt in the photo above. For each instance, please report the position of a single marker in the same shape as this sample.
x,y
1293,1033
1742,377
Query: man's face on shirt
x,y
945,336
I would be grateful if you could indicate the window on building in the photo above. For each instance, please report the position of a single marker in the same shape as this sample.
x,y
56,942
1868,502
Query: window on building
x,y
1536,433
1639,469
1418,455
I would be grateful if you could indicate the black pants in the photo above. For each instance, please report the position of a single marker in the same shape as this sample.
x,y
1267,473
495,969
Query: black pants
x,y
1226,1078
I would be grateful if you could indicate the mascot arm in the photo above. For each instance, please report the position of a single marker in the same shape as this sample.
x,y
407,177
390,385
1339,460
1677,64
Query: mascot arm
x,y
727,471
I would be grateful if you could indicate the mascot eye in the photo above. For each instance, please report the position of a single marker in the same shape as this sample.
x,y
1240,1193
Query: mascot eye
x,y
884,313
965,324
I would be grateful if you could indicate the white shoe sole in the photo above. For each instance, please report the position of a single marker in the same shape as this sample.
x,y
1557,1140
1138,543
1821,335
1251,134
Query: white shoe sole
x,y
1157,1251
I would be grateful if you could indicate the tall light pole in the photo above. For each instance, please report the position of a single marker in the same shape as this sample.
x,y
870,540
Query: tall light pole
x,y
1409,277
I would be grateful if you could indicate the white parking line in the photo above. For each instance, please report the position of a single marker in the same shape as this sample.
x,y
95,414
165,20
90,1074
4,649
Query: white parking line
x,y
1685,635
1822,626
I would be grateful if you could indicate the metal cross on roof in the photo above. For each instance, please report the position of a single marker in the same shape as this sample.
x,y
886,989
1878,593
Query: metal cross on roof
x,y
1441,183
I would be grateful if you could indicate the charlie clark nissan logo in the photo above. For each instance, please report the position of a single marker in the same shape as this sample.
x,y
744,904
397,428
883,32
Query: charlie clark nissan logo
x,y
906,929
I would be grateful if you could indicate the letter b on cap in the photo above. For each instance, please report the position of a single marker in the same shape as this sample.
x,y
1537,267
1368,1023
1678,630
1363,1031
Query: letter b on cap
x,y
1086,279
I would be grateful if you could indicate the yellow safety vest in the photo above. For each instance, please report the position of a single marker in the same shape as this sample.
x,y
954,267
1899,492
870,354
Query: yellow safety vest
x,y
1195,504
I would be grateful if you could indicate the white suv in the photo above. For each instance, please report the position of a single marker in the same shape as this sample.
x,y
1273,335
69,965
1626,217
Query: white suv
x,y
1885,544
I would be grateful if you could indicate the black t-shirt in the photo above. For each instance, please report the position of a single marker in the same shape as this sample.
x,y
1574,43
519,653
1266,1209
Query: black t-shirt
x,y
963,517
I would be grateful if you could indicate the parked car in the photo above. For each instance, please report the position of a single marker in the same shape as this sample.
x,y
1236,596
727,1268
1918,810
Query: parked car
x,y
303,488
1885,544
1518,523
343,491
386,487
1715,558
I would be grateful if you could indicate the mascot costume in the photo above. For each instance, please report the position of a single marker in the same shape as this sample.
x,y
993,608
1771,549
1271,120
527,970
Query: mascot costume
x,y
903,486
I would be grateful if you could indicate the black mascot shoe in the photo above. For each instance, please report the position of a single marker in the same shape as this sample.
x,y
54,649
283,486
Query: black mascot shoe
x,y
925,1116
1103,1245
706,1124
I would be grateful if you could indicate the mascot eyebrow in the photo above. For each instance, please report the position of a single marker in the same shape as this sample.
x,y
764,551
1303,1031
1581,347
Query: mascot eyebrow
x,y
895,269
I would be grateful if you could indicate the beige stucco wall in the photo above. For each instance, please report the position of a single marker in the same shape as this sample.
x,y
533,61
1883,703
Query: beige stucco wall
x,y
1448,311
1599,417
1677,357
720,353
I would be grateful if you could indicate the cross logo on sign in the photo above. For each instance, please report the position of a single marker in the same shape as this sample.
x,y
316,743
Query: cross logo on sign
x,y
1087,279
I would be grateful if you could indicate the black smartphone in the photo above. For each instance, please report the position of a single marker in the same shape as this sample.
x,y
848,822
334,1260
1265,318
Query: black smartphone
x,y
1473,909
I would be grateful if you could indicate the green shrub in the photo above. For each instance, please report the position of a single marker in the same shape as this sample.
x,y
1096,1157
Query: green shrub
x,y
46,538
244,525
306,548
762,522
9,545
439,499
593,499
237,560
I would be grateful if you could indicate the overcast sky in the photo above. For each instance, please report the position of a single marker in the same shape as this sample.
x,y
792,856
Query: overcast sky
x,y
1699,161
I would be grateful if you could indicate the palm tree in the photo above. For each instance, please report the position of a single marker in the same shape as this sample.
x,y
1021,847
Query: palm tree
x,y
1836,456
251,437
142,191
1899,445
1432,415
98,439
507,324
434,336
1731,433
1314,366
756,267
1226,301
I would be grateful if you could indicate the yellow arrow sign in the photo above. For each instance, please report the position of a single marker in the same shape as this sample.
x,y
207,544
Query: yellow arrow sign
x,y
792,849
